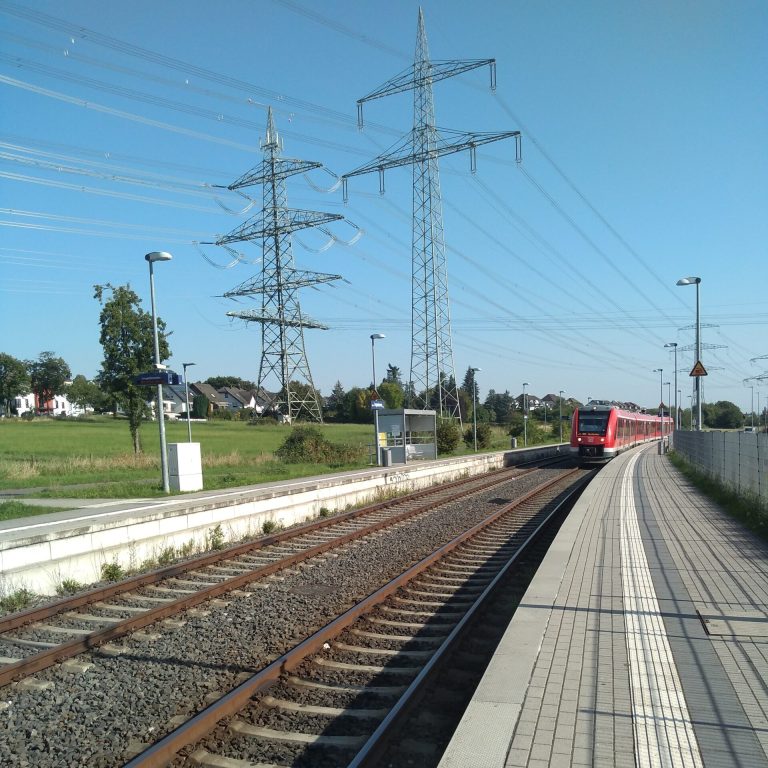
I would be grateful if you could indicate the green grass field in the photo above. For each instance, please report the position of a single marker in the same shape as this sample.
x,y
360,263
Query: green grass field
x,y
93,458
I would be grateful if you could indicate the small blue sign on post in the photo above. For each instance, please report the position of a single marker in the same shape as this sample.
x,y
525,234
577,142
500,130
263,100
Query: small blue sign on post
x,y
153,378
376,404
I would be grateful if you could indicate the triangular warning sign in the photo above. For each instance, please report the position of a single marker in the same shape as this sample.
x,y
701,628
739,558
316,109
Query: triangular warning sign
x,y
698,370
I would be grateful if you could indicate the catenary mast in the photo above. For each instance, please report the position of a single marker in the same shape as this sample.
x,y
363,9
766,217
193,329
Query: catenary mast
x,y
283,365
432,366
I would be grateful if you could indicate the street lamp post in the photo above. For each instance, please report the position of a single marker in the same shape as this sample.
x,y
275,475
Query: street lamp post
x,y
752,407
375,336
660,371
696,281
525,416
673,344
561,415
374,394
668,385
151,259
474,405
186,397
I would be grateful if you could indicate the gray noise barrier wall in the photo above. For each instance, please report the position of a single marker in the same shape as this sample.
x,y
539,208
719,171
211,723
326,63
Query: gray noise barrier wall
x,y
738,460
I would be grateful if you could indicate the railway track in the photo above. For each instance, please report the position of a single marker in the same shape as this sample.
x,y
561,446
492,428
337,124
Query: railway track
x,y
129,689
34,639
333,698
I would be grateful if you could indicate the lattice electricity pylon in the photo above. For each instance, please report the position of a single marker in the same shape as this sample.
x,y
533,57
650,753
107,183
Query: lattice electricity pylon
x,y
283,356
432,365
760,377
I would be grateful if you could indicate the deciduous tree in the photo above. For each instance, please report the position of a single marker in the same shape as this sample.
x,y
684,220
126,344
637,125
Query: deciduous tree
x,y
722,415
357,405
127,340
86,394
234,382
392,394
14,380
47,375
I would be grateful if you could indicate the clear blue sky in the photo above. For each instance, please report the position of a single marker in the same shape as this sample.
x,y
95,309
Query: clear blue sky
x,y
644,160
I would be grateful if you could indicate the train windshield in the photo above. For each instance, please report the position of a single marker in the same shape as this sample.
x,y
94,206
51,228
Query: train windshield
x,y
593,422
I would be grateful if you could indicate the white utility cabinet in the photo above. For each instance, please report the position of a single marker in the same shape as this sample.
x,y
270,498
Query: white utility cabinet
x,y
185,467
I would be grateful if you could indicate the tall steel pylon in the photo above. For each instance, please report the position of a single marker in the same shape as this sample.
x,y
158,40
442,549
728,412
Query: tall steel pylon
x,y
432,366
283,358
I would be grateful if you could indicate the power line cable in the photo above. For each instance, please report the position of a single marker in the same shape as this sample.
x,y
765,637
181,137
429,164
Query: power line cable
x,y
188,68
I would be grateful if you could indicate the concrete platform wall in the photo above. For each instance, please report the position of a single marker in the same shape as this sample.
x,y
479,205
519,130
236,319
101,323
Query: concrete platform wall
x,y
41,552
737,459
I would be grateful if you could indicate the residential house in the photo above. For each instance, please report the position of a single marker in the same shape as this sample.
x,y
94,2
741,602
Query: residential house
x,y
215,399
238,398
550,401
175,400
225,397
533,401
23,404
265,400
58,405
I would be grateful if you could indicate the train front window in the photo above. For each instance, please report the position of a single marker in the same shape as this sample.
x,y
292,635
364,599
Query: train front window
x,y
593,422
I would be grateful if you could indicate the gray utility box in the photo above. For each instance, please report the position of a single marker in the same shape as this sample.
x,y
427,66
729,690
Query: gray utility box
x,y
185,468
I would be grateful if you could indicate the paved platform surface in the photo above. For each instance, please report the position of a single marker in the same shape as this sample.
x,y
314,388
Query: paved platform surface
x,y
642,641
77,512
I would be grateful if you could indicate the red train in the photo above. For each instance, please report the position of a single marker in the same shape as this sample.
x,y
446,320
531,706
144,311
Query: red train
x,y
600,431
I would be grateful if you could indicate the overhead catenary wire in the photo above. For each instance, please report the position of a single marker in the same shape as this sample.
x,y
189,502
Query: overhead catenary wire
x,y
348,119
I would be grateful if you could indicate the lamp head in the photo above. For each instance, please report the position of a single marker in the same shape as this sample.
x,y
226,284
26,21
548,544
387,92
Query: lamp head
x,y
377,336
158,256
671,344
689,281
186,365
475,370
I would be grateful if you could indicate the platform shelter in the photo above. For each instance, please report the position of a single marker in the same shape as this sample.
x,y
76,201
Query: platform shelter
x,y
404,435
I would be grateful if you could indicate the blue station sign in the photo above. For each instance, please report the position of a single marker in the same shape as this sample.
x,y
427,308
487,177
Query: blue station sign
x,y
153,378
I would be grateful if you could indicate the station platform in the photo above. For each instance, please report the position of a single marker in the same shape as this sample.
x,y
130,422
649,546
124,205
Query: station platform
x,y
642,640
39,552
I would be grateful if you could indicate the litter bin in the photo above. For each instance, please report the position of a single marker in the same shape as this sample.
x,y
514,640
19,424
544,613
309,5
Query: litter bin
x,y
386,457
514,442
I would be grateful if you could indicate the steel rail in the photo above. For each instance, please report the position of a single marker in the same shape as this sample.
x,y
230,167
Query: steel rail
x,y
375,740
49,657
31,615
197,727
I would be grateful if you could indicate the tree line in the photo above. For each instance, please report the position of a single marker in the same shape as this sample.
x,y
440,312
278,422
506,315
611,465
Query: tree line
x,y
127,339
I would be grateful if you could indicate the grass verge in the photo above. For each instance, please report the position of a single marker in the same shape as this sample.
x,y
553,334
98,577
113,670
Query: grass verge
x,y
747,509
10,510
